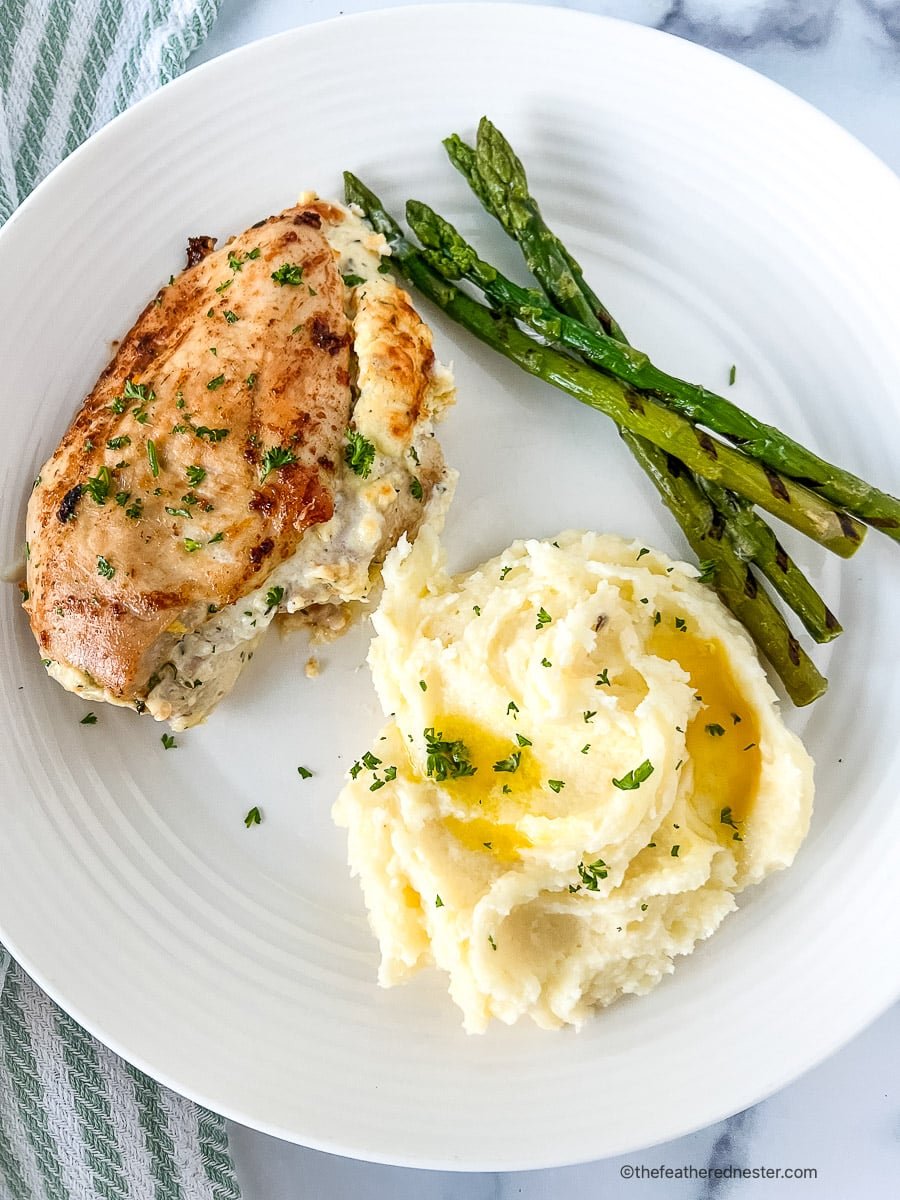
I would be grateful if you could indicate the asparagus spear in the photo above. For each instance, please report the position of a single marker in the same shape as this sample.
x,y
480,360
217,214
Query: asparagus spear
x,y
505,186
752,538
714,460
464,158
455,258
734,580
754,541
799,675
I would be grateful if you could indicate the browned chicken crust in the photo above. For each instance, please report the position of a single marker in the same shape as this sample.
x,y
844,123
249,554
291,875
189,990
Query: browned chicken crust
x,y
206,448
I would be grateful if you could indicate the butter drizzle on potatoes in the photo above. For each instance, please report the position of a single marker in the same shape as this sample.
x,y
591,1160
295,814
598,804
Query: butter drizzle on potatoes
x,y
584,764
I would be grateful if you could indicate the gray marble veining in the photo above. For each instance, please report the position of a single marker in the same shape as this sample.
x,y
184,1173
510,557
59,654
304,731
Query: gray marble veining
x,y
797,23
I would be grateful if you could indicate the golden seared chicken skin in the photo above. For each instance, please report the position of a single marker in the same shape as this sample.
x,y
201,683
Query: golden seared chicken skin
x,y
262,437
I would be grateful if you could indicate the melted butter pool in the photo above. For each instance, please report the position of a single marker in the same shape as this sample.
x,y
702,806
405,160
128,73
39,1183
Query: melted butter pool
x,y
726,763
489,823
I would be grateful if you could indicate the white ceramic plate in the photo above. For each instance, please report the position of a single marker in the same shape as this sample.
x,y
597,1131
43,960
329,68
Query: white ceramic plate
x,y
725,222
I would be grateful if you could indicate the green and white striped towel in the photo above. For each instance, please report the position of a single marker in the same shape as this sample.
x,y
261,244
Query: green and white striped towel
x,y
68,66
76,1122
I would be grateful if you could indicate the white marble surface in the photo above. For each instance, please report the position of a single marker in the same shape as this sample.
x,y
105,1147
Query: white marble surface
x,y
842,1119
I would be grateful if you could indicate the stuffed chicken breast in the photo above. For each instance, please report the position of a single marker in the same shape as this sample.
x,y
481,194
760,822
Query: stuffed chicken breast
x,y
262,437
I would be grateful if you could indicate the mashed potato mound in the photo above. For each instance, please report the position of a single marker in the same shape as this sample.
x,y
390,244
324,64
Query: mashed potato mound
x,y
584,764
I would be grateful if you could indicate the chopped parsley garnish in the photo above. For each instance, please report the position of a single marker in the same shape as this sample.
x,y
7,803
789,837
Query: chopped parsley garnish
x,y
230,317
438,902
195,475
657,617
415,489
504,572
211,435
752,746
222,286
674,851
414,455
217,537
304,772
89,719
506,789
732,375
237,263
715,730
556,785
104,567
726,818
378,783
214,383
588,715
352,280
476,609
390,773
491,940
643,550
359,454
138,391
135,509
169,742
707,571
117,443
509,764
512,709
152,458
191,545
445,759
584,749
423,685
523,740
369,761
644,907
592,873
178,512
680,624
543,618
603,678
735,719
97,486
635,778
251,381
288,273
545,662
274,459
253,817
274,597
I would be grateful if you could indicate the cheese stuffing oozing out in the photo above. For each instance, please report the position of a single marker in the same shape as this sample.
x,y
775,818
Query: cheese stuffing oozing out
x,y
584,764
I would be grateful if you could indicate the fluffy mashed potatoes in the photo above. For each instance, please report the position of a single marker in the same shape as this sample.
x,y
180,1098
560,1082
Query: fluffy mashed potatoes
x,y
584,764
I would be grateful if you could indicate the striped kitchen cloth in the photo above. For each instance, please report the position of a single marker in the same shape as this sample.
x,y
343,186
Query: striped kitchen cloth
x,y
68,66
76,1122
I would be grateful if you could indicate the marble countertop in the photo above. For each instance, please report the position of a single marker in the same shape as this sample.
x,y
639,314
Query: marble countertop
x,y
843,1118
